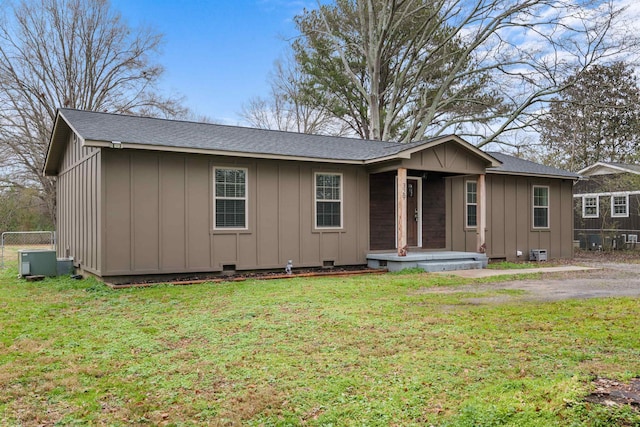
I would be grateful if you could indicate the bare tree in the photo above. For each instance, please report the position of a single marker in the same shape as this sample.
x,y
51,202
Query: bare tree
x,y
287,109
403,69
68,53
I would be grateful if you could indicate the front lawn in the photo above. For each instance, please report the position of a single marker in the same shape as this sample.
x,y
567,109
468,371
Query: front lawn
x,y
363,350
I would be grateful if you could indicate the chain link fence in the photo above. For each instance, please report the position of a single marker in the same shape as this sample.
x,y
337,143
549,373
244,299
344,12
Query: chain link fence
x,y
12,241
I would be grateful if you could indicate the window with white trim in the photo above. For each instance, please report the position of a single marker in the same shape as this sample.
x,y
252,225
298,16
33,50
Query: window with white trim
x,y
328,201
471,204
620,206
230,198
590,207
540,206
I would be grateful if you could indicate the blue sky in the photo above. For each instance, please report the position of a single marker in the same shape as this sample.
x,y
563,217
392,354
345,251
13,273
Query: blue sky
x,y
217,54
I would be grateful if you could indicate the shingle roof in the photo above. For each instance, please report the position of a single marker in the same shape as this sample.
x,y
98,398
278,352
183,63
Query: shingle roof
x,y
182,134
518,166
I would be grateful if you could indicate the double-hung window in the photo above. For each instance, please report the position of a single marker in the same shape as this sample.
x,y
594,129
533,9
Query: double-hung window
x,y
540,206
328,201
590,207
620,206
472,204
230,198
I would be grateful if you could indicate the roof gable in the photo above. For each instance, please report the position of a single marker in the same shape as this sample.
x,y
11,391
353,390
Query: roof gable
x,y
604,168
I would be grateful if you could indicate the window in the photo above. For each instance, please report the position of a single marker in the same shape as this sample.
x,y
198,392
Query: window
x,y
328,200
590,207
540,207
472,204
632,238
620,206
230,201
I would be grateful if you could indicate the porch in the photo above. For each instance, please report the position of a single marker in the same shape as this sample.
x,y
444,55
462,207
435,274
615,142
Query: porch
x,y
416,213
428,261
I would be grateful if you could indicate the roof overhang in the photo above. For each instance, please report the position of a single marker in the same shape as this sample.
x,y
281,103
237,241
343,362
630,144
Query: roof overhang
x,y
253,155
57,144
404,154
534,175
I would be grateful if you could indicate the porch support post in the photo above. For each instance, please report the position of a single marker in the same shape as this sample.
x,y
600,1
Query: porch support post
x,y
401,192
482,214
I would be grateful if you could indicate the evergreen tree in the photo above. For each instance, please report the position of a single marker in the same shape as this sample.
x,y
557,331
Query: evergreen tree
x,y
597,118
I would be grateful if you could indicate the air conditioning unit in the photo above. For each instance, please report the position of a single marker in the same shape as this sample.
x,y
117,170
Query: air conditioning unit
x,y
65,266
538,255
37,262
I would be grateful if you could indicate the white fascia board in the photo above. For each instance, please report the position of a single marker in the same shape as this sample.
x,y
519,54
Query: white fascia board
x,y
536,175
607,193
600,168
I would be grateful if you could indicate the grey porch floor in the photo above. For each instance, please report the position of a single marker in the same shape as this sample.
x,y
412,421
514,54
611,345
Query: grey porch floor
x,y
428,261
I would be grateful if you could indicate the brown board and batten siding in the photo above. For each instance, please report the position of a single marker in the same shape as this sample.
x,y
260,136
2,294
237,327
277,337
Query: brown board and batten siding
x,y
160,217
447,157
78,186
136,196
509,217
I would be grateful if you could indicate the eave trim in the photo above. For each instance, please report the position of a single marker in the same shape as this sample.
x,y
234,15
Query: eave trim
x,y
493,172
125,145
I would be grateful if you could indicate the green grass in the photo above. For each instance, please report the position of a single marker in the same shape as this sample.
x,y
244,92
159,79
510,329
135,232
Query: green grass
x,y
506,265
364,350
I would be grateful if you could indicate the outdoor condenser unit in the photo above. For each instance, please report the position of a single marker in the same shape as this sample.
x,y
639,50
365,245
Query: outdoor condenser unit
x,y
538,255
34,262
65,266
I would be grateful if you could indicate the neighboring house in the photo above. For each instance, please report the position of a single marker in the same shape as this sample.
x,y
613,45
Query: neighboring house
x,y
607,206
146,196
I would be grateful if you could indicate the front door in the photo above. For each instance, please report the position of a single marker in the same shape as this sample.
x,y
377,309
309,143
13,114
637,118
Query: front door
x,y
413,218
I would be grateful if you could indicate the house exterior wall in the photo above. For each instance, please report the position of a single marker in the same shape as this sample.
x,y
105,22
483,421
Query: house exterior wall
x,y
605,221
158,215
607,230
78,205
509,217
434,212
382,213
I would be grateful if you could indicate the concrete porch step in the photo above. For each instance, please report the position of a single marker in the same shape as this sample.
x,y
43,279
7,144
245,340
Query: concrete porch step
x,y
448,260
431,267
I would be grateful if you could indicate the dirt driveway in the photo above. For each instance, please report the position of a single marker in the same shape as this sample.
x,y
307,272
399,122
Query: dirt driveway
x,y
612,278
